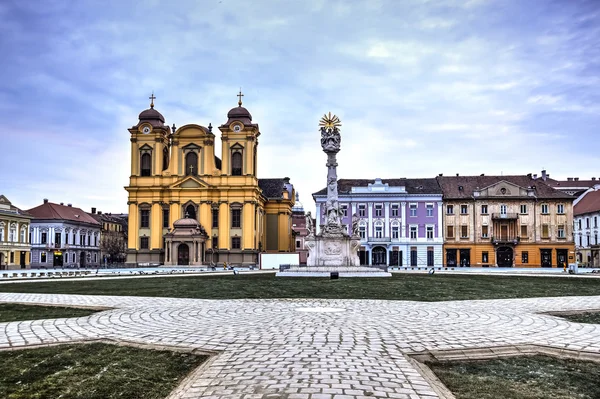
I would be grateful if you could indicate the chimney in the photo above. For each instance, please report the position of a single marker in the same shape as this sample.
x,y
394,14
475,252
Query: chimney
x,y
593,178
70,205
441,174
535,176
569,179
45,200
99,212
576,178
544,175
529,175
286,180
482,174
93,211
457,174
62,203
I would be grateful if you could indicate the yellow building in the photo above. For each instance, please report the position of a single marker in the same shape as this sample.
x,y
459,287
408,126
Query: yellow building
x,y
15,248
506,221
232,215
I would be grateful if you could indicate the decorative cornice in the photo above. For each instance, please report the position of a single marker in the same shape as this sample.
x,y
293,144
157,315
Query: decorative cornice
x,y
132,202
208,142
133,140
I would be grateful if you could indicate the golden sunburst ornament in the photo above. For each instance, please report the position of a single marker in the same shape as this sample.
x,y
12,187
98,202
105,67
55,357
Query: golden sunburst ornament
x,y
330,121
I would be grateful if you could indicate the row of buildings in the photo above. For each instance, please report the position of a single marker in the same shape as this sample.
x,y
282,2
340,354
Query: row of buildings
x,y
58,235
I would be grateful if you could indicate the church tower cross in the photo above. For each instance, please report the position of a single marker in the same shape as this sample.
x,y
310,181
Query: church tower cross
x,y
152,98
240,95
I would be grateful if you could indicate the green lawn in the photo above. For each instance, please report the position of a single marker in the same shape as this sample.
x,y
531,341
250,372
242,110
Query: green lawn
x,y
586,317
537,377
93,371
400,287
17,312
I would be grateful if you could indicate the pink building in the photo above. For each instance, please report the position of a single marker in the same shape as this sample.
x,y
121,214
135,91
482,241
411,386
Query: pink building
x,y
299,230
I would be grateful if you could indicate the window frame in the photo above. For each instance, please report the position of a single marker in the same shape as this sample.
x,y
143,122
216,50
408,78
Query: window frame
x,y
484,209
236,242
465,208
411,208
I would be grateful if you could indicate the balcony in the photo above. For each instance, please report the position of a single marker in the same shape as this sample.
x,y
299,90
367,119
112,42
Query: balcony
x,y
506,240
505,215
380,239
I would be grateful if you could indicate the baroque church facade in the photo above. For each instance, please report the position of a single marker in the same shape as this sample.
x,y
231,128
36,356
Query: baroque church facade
x,y
188,206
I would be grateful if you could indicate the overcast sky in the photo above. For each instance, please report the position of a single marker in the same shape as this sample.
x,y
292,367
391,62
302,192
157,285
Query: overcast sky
x,y
422,87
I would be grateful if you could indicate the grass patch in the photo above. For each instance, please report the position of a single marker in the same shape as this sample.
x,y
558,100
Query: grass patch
x,y
18,312
438,287
536,377
93,371
586,317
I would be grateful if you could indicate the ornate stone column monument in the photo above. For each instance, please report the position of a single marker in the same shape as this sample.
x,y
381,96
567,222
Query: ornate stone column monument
x,y
333,246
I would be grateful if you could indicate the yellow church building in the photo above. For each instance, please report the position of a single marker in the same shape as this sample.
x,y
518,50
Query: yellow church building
x,y
189,207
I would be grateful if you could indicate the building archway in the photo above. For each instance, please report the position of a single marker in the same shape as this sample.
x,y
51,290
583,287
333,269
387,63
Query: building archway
x,y
82,259
379,256
183,254
504,256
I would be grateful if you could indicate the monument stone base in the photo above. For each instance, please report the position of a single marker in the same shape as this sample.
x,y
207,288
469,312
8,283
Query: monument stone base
x,y
332,250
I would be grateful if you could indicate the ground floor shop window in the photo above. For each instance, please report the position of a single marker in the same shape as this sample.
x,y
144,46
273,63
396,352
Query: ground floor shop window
x,y
524,257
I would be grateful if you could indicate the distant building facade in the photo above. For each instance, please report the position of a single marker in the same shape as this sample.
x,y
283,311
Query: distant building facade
x,y
113,237
15,248
399,220
299,230
506,221
586,227
63,236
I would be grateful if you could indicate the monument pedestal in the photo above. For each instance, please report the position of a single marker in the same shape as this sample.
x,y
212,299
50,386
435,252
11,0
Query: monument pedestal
x,y
332,250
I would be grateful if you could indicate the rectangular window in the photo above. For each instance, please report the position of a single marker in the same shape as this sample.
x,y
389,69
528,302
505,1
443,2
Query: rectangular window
x,y
362,210
545,231
378,210
165,218
596,237
524,235
413,209
587,223
545,209
450,231
297,243
362,232
450,209
429,209
464,231
524,257
345,209
523,209
215,218
560,233
378,231
43,257
430,232
579,222
44,238
503,209
484,209
429,256
395,208
484,232
81,239
595,222
145,218
560,209
215,242
144,243
413,232
464,210
235,242
57,239
236,218
395,232
484,257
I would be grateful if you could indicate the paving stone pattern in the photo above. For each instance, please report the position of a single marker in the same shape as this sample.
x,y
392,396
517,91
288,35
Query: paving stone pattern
x,y
269,349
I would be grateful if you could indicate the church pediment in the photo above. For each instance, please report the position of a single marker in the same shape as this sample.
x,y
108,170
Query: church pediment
x,y
190,182
191,146
146,147
503,189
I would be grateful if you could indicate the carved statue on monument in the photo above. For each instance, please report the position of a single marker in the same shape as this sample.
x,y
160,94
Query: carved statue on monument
x,y
309,224
355,231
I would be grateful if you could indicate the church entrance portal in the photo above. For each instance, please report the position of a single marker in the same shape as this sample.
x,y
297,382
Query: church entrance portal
x,y
504,255
379,256
183,254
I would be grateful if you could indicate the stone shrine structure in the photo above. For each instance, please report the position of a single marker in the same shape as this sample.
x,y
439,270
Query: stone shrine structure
x,y
333,246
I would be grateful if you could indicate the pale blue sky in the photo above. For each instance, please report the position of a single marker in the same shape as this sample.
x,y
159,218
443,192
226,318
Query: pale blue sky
x,y
422,87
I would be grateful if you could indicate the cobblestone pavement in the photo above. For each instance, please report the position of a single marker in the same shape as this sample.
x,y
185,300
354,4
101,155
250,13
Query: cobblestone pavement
x,y
311,348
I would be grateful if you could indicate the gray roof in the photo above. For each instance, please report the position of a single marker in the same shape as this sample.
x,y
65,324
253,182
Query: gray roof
x,y
412,186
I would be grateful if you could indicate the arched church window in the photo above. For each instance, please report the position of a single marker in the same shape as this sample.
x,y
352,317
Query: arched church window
x,y
191,164
165,158
236,164
190,211
146,162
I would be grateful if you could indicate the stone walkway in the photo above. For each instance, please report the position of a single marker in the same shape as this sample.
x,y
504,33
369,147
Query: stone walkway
x,y
312,349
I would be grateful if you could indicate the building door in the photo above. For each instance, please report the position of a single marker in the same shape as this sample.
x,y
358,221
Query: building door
x,y
413,256
546,256
22,260
394,259
379,256
57,259
465,257
450,257
430,257
82,259
561,257
363,256
183,254
504,257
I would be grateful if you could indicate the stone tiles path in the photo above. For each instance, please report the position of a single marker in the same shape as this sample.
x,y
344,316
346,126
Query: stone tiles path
x,y
312,348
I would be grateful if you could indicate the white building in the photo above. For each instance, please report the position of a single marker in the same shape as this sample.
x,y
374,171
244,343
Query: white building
x,y
586,218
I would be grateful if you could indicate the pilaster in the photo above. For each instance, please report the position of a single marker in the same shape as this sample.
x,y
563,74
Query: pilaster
x,y
155,226
224,224
248,226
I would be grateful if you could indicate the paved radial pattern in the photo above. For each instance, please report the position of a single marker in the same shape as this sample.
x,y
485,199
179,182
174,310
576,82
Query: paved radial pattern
x,y
309,348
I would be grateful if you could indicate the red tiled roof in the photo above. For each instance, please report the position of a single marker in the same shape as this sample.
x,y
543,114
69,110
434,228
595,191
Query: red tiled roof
x,y
53,211
589,203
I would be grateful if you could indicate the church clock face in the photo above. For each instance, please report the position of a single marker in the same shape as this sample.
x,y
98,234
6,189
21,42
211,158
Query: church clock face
x,y
146,129
237,128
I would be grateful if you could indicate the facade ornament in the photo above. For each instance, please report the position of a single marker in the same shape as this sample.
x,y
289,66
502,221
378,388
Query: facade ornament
x,y
309,224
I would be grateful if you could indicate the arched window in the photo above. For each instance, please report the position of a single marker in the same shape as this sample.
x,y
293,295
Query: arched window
x,y
23,232
190,210
236,164
146,162
191,164
165,158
